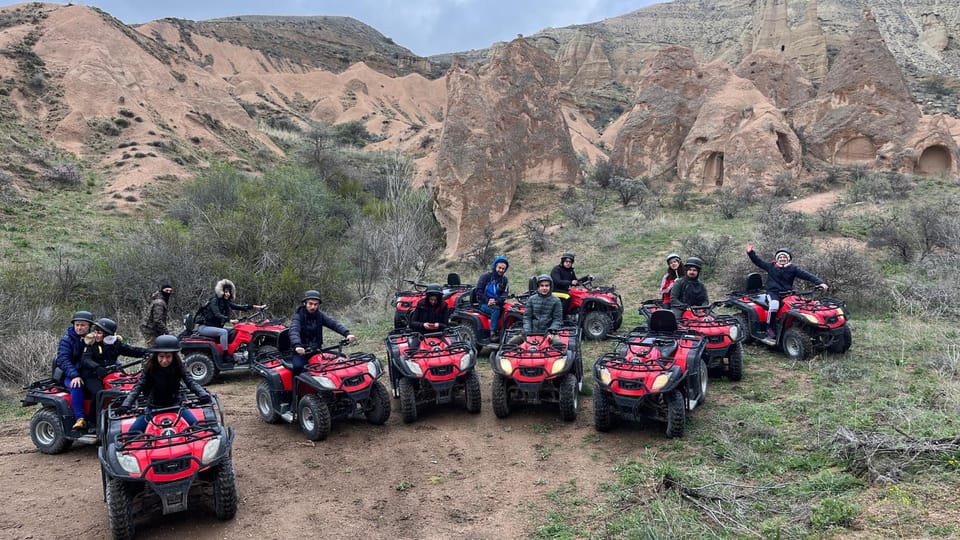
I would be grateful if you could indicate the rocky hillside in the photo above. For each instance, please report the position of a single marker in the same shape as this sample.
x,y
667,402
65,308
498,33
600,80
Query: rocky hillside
x,y
713,93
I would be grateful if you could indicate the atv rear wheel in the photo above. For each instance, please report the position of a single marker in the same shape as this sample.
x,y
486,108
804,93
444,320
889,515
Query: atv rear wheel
x,y
676,415
314,417
46,430
796,344
569,398
735,362
468,334
471,391
265,404
119,509
501,401
225,491
199,367
701,388
408,401
596,325
377,407
842,343
603,416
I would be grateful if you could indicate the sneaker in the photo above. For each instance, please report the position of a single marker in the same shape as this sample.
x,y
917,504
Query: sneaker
x,y
80,424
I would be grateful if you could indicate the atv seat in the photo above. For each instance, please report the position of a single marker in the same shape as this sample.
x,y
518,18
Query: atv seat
x,y
453,279
754,282
663,321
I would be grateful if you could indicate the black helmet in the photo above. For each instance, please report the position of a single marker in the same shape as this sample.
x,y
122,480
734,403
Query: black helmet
x,y
544,277
674,256
435,289
567,255
312,294
694,262
108,326
166,343
82,316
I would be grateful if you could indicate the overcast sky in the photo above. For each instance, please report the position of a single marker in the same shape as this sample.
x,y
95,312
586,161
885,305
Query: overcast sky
x,y
426,27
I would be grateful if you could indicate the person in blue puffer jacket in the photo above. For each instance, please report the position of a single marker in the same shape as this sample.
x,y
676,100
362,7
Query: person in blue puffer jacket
x,y
493,287
69,353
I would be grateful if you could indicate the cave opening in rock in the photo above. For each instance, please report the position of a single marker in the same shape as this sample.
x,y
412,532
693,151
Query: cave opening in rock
x,y
934,160
713,169
783,145
856,150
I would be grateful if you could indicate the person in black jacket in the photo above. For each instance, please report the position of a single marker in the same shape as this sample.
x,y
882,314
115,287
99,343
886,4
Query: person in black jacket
x,y
563,274
306,329
431,314
688,290
103,348
780,276
161,381
216,312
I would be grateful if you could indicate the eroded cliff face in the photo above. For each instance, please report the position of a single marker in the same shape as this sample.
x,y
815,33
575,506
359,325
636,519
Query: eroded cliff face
x,y
503,125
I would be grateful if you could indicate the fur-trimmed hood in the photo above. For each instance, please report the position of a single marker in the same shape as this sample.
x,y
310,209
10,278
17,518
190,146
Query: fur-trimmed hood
x,y
221,285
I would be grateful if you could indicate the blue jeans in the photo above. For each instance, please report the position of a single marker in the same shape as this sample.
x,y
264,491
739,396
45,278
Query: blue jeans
x,y
213,331
298,361
76,401
140,424
494,313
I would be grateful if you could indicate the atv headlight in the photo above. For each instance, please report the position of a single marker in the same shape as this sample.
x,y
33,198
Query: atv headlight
x,y
324,382
605,377
414,367
810,318
558,366
734,331
466,361
128,463
506,366
210,450
661,381
374,368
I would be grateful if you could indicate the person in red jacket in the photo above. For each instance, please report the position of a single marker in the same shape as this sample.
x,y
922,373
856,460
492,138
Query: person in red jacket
x,y
673,272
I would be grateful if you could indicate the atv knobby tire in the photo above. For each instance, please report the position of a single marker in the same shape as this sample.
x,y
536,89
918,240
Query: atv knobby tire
x,y
314,417
596,325
468,334
797,344
225,491
377,407
408,400
46,430
735,362
265,353
676,415
704,377
119,509
265,404
499,397
471,391
842,343
745,327
603,415
199,367
569,398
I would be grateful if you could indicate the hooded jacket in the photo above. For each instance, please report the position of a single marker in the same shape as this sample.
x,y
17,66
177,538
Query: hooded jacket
x,y
216,311
689,292
780,278
155,321
493,285
306,329
425,313
541,313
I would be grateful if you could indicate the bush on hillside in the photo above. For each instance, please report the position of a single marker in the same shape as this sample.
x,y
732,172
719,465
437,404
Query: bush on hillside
x,y
779,227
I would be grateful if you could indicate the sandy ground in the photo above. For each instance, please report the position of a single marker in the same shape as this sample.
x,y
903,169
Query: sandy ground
x,y
450,474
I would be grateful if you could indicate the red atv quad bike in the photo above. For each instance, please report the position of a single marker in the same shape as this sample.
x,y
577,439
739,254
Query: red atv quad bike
x,y
537,371
204,358
654,372
333,386
404,302
724,335
466,313
170,461
432,368
805,324
51,428
597,310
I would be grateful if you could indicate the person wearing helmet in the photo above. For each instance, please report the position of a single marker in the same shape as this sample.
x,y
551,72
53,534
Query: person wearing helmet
x,y
103,348
563,275
688,290
542,312
493,287
69,353
161,381
674,262
306,329
431,314
155,321
217,312
781,273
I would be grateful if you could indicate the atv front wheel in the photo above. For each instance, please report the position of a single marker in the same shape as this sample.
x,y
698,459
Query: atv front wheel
x,y
377,407
569,398
796,344
472,391
199,367
735,362
408,401
701,388
225,491
596,325
501,401
265,404
745,327
676,415
46,430
842,343
468,335
119,509
603,418
314,417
